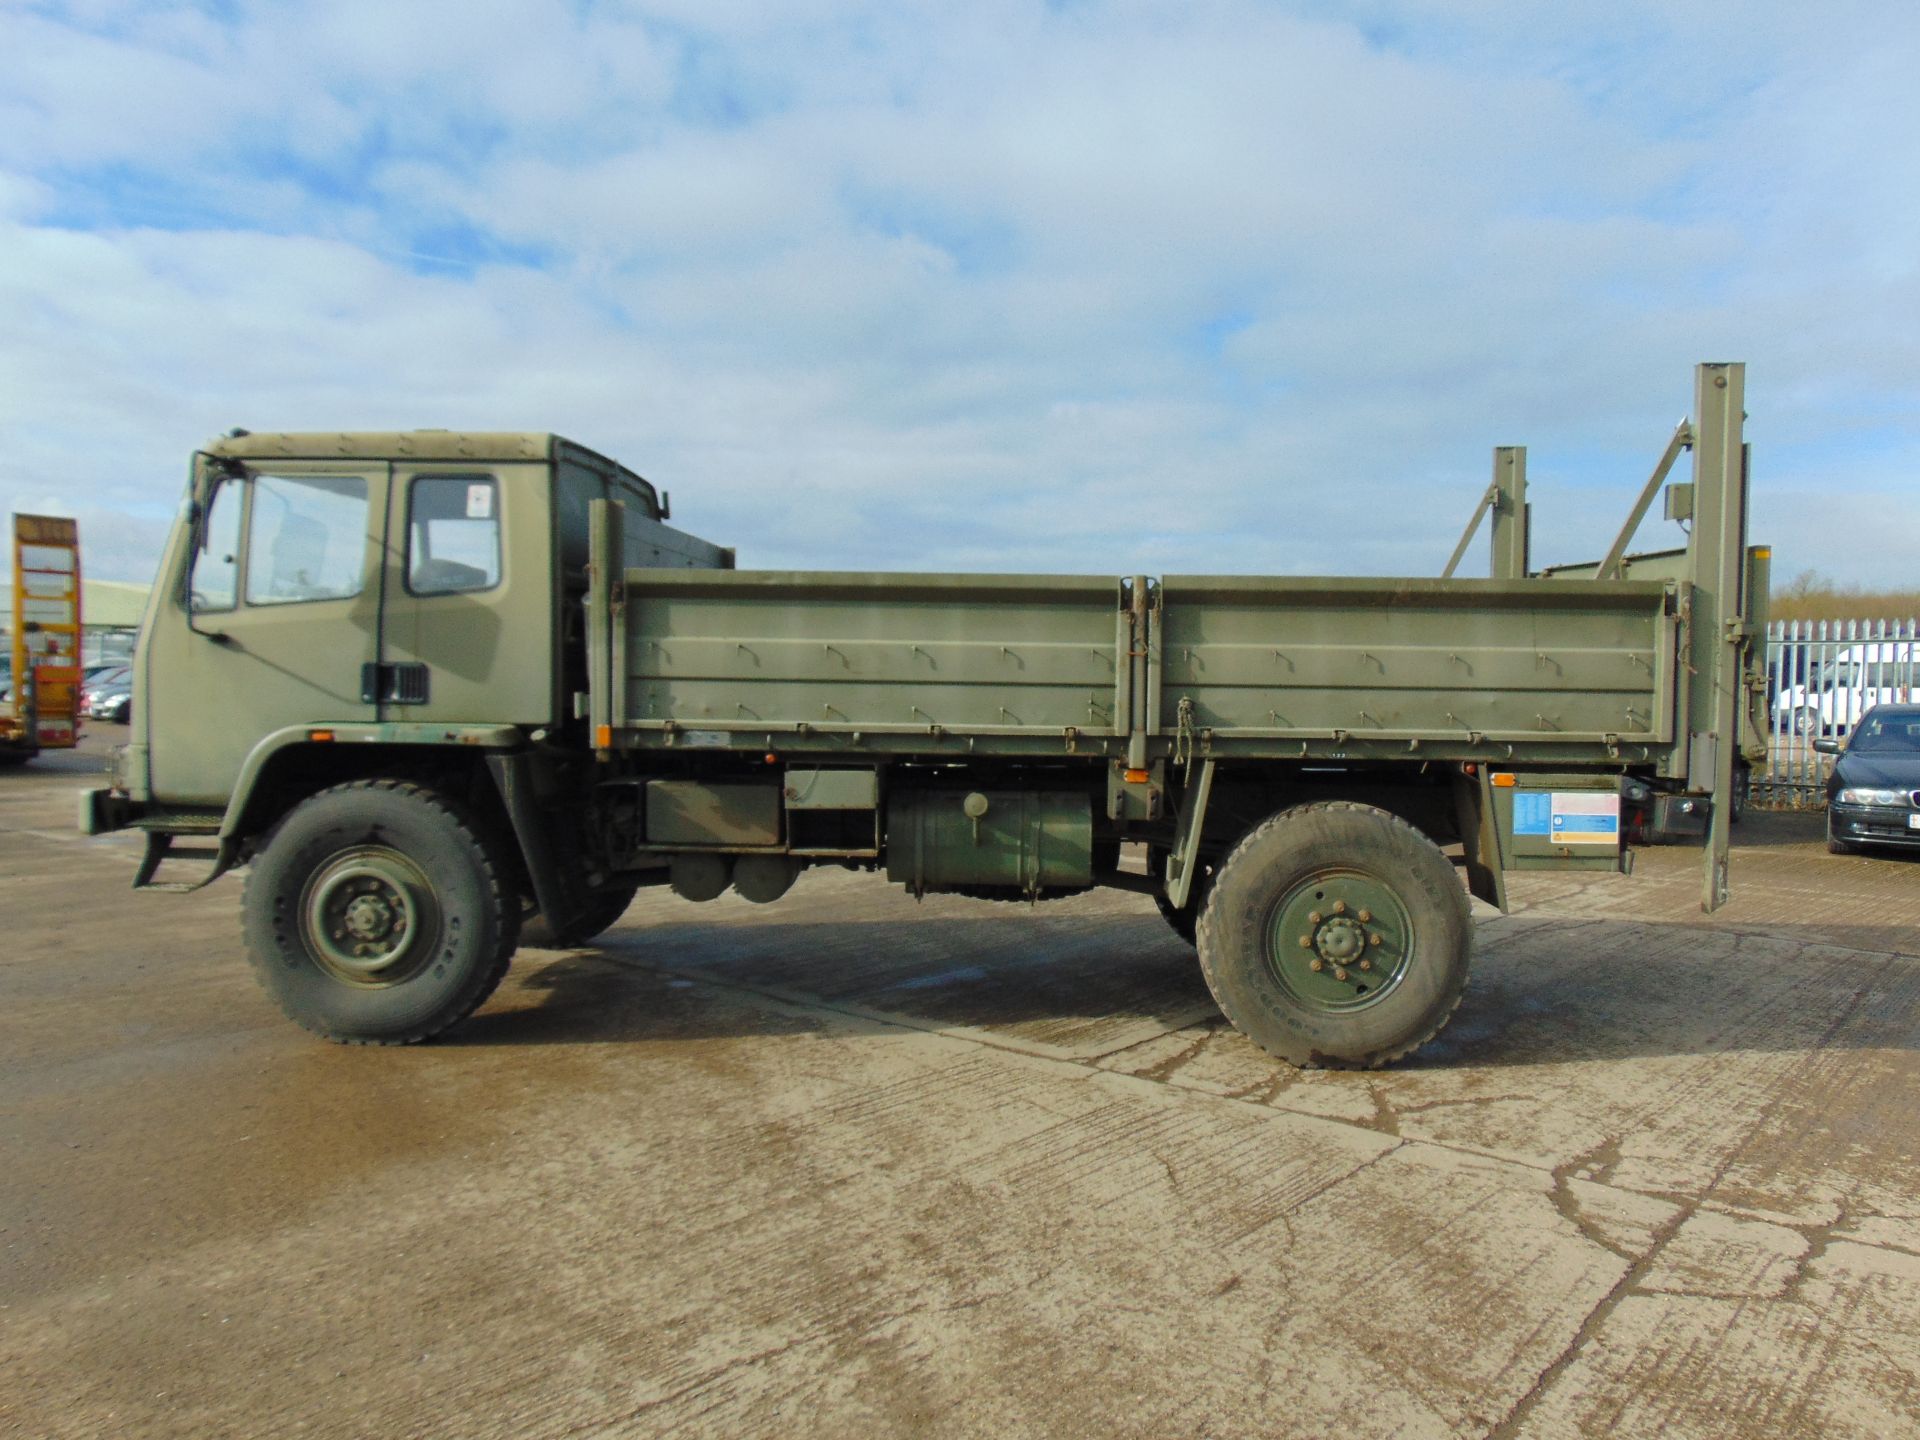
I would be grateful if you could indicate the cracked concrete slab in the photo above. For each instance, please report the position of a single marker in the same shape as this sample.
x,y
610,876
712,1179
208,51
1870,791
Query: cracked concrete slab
x,y
848,1162
1724,1257
1836,1358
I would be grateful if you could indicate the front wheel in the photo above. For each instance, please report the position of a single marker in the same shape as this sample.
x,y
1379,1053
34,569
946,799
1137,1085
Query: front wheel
x,y
1336,934
379,914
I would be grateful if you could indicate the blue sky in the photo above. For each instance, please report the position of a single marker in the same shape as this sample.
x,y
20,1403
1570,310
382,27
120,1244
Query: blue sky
x,y
1073,286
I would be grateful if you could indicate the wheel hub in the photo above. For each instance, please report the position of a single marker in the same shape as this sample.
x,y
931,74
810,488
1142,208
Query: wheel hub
x,y
368,918
365,914
1339,940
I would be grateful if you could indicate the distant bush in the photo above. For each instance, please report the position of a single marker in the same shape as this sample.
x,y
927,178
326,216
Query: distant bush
x,y
1813,596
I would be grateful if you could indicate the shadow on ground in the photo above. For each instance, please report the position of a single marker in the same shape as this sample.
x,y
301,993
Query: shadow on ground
x,y
1544,991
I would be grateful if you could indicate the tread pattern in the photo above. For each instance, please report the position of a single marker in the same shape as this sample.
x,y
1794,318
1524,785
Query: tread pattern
x,y
492,868
1183,923
1206,932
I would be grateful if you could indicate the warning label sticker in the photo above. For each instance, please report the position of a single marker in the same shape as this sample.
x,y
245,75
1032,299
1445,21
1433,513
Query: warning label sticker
x,y
1568,817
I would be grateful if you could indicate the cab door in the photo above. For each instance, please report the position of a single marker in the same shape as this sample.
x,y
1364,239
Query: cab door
x,y
468,631
266,623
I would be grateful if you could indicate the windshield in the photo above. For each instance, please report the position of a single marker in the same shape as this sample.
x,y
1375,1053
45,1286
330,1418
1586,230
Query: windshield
x,y
1884,733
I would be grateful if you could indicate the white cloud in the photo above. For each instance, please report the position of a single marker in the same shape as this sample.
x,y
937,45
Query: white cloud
x,y
1232,286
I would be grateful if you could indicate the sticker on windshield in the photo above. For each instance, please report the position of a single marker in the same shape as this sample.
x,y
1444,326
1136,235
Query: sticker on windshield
x,y
480,501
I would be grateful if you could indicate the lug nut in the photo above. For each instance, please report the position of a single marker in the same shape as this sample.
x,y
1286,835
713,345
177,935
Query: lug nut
x,y
1313,917
1365,916
1339,907
1366,965
1317,965
1373,939
1306,942
1340,974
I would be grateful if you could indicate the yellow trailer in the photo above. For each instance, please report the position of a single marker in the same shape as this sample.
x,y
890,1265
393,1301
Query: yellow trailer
x,y
42,712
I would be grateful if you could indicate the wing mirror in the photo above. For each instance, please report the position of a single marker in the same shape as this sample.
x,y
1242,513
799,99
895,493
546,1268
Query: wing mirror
x,y
1828,747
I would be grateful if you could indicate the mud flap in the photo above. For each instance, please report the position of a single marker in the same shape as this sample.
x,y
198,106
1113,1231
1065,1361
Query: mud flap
x,y
1480,839
1183,861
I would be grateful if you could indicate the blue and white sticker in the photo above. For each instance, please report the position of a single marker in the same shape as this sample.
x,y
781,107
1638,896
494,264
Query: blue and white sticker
x,y
1568,817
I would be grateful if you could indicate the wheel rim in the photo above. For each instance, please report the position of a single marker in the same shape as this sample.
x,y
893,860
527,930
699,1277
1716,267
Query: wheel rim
x,y
369,917
1339,940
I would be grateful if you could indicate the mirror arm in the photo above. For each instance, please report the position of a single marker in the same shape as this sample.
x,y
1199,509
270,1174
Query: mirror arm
x,y
201,490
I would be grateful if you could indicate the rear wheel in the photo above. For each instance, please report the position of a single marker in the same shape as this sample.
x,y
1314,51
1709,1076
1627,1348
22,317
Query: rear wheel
x,y
1336,934
595,917
379,913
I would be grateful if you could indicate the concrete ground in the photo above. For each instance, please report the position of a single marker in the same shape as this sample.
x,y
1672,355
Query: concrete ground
x,y
854,1165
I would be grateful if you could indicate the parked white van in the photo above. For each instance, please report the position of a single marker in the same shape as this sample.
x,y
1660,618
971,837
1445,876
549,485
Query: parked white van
x,y
1852,682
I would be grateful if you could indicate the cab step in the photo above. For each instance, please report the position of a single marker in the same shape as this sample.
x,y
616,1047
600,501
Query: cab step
x,y
179,822
161,848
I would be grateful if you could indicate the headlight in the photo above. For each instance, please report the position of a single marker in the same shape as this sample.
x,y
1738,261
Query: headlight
x,y
1855,796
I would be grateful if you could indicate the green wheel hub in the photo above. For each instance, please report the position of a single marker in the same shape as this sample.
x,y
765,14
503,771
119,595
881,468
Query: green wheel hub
x,y
370,917
1339,939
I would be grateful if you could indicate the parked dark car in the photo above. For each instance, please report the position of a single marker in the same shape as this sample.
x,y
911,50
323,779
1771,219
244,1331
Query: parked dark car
x,y
112,703
106,687
1873,794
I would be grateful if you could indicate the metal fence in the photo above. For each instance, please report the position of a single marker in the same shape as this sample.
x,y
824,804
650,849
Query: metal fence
x,y
1822,676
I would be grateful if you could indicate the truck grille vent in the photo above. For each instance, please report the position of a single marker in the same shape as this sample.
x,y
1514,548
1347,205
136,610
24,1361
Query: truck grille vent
x,y
394,683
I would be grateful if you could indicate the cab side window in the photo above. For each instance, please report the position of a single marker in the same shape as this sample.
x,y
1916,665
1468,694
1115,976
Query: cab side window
x,y
307,539
216,567
453,534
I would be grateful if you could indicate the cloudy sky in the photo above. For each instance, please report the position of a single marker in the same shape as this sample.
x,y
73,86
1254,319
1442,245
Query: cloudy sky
x,y
1001,285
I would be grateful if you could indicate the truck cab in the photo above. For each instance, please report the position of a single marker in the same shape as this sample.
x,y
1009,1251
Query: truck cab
x,y
416,582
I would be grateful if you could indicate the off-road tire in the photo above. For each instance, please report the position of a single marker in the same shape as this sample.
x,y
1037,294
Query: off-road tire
x,y
601,912
1419,970
466,921
1183,922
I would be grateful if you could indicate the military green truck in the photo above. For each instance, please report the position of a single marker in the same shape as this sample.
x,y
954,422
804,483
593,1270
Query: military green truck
x,y
429,685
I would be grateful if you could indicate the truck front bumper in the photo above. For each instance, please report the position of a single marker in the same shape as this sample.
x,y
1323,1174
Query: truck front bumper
x,y
103,810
